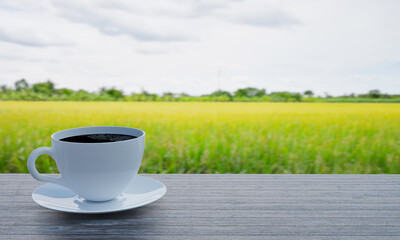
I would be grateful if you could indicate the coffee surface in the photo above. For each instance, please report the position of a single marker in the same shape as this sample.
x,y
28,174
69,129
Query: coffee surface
x,y
98,138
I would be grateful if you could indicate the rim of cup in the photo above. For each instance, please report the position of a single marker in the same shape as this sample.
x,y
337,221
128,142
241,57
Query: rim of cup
x,y
137,133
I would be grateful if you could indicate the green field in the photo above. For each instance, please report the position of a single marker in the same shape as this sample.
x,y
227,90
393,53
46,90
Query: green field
x,y
219,137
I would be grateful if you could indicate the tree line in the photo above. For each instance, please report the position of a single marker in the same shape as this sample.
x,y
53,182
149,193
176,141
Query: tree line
x,y
46,91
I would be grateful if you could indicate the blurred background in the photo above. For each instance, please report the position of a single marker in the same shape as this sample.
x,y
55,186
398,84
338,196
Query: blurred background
x,y
219,86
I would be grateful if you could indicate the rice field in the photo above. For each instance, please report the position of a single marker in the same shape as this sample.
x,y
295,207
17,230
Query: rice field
x,y
219,137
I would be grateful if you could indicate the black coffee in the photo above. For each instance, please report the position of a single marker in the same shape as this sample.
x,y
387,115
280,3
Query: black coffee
x,y
98,138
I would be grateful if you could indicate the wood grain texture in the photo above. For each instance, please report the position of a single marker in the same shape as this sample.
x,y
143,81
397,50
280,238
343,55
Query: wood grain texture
x,y
222,207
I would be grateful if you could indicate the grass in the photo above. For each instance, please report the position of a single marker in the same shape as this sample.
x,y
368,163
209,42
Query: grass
x,y
358,100
219,137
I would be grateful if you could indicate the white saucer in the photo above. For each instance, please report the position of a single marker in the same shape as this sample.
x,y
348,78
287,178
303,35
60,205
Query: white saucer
x,y
143,191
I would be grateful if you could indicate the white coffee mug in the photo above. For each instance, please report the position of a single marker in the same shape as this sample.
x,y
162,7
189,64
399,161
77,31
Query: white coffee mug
x,y
95,171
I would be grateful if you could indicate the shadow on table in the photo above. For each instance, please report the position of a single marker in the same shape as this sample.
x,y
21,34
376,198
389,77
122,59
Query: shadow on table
x,y
131,222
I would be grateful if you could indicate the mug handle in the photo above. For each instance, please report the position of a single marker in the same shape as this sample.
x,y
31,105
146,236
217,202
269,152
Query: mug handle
x,y
32,168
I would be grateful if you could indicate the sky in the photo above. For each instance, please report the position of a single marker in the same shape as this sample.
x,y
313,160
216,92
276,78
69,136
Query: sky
x,y
195,46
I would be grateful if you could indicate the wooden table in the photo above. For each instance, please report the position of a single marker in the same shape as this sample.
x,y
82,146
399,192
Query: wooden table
x,y
222,207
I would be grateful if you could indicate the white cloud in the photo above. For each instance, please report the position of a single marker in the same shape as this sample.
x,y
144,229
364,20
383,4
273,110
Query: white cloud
x,y
199,46
16,27
114,21
259,14
34,40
